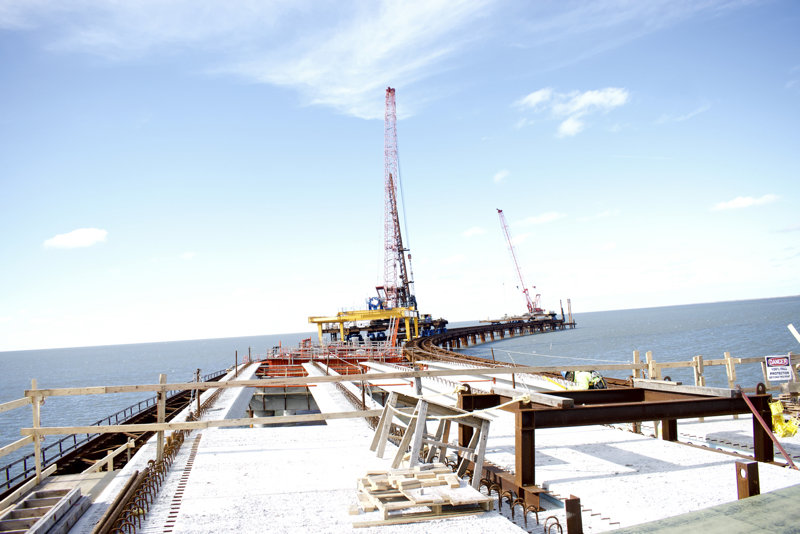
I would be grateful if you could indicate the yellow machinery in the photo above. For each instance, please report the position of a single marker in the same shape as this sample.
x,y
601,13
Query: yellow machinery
x,y
407,314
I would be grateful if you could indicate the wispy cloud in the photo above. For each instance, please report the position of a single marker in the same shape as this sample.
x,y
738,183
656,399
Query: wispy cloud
x,y
571,107
475,230
604,246
83,237
602,215
499,176
519,239
792,228
745,202
188,255
550,216
4,319
680,118
338,54
450,260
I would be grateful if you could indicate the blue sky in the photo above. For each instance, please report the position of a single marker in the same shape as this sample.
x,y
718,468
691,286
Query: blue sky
x,y
181,170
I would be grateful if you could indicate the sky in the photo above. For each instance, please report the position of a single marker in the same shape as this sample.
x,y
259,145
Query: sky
x,y
175,169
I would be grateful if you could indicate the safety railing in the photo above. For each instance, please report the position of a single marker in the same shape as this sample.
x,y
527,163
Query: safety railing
x,y
24,467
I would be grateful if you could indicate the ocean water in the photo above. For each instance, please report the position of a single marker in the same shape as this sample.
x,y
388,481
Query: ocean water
x,y
746,329
676,333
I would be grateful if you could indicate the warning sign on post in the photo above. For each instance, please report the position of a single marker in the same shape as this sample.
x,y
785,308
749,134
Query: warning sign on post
x,y
778,368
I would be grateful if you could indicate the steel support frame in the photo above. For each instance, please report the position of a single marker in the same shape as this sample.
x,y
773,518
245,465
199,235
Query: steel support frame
x,y
614,406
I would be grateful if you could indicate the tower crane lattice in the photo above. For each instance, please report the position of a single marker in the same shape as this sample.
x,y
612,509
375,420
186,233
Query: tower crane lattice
x,y
532,304
398,292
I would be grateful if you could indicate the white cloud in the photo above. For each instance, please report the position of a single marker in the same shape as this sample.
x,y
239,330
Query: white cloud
x,y
83,237
745,202
570,127
602,215
450,260
188,255
604,246
4,319
791,228
500,175
519,239
550,216
533,100
475,230
338,54
571,107
680,118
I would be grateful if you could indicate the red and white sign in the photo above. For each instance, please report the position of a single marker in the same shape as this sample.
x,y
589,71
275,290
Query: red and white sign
x,y
779,368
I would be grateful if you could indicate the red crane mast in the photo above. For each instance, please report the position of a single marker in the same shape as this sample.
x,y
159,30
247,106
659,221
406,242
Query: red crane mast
x,y
533,305
398,292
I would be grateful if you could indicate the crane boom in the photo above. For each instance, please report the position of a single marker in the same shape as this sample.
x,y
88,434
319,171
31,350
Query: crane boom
x,y
532,304
398,293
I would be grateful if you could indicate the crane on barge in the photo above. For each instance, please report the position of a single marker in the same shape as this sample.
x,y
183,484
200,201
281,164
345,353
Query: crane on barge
x,y
532,304
395,301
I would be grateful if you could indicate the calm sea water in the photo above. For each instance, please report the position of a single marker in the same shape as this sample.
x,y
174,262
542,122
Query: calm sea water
x,y
746,329
676,333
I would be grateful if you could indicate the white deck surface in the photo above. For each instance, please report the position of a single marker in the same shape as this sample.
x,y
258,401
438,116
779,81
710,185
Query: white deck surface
x,y
302,479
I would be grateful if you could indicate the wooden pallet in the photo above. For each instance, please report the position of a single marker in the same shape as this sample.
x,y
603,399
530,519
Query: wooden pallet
x,y
434,502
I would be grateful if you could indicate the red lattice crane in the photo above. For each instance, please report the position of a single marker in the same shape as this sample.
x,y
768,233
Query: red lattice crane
x,y
398,292
533,305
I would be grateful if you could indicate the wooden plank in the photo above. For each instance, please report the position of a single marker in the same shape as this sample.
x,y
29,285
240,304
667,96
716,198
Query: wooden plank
x,y
416,518
446,445
12,405
16,494
537,397
649,381
189,425
289,381
419,433
8,449
672,365
401,449
479,454
692,390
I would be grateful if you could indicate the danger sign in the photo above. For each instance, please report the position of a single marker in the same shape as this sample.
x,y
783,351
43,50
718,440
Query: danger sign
x,y
778,368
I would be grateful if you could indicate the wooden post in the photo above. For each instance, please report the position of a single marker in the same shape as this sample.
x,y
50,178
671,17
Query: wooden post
x,y
493,360
131,444
730,367
747,483
197,394
572,507
513,381
110,461
792,367
162,409
248,355
363,396
699,379
236,363
764,372
652,374
637,373
37,440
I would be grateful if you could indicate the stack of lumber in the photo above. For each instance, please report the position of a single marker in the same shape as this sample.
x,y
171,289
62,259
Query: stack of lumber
x,y
433,488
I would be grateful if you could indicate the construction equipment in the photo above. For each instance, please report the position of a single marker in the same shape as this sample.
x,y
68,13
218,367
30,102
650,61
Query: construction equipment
x,y
533,305
398,293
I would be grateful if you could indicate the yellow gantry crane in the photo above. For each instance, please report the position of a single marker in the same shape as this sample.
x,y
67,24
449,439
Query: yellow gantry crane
x,y
406,314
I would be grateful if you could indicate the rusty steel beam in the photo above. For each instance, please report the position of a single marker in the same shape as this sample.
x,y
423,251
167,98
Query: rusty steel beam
x,y
529,417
